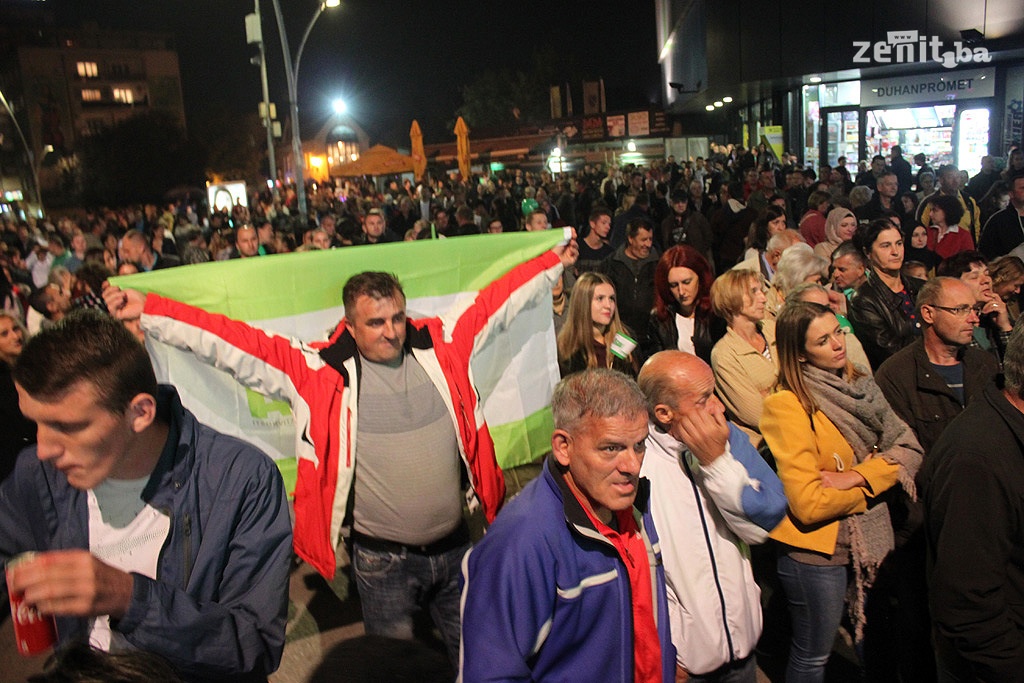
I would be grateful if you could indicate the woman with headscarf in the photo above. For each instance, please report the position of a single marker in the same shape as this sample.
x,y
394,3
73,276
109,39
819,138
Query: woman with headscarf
x,y
840,224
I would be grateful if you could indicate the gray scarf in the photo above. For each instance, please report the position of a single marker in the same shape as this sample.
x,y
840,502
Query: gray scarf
x,y
860,412
862,415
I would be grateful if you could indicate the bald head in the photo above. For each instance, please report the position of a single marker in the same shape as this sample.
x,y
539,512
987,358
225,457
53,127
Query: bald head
x,y
669,378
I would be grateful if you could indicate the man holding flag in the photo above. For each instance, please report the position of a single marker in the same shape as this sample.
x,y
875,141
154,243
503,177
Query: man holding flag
x,y
408,386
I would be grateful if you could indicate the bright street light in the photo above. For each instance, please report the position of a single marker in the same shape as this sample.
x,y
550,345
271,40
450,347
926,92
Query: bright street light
x,y
339,106
292,75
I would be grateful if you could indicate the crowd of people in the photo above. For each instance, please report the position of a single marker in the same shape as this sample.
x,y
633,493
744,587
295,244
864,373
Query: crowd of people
x,y
799,353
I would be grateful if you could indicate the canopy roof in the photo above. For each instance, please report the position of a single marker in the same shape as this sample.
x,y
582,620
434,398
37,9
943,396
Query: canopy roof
x,y
378,160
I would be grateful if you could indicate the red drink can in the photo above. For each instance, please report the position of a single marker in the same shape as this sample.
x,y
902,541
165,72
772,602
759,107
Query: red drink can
x,y
35,633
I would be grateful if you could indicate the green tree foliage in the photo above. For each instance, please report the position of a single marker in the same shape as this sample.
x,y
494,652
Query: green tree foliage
x,y
235,145
138,160
509,97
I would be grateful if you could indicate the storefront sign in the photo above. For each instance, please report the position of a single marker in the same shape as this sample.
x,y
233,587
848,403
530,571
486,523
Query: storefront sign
x,y
593,127
616,126
911,47
639,123
659,125
958,85
773,135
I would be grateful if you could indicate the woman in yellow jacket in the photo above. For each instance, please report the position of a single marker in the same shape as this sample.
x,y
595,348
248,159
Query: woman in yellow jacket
x,y
837,445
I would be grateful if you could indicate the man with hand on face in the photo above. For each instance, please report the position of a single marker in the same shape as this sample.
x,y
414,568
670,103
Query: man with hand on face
x,y
388,428
712,495
568,583
152,531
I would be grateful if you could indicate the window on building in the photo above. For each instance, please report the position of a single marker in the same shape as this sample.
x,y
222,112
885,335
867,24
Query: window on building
x,y
88,70
91,95
123,95
94,127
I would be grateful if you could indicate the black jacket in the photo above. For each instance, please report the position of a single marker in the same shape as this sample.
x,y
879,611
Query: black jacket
x,y
878,319
663,335
921,397
634,294
972,484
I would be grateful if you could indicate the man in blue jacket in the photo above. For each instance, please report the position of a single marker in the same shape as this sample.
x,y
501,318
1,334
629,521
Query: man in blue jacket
x,y
152,531
568,582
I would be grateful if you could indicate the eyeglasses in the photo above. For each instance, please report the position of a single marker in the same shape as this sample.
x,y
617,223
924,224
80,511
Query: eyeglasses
x,y
961,311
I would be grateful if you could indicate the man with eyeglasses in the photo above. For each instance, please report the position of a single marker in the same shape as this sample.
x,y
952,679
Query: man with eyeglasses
x,y
931,381
994,326
928,384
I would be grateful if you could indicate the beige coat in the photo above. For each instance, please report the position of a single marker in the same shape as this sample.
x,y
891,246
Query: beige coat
x,y
744,377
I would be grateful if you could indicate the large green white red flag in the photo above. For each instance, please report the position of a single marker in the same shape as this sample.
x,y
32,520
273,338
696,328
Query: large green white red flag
x,y
299,296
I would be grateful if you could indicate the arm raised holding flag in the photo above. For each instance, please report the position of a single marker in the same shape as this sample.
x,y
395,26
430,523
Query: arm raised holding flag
x,y
406,388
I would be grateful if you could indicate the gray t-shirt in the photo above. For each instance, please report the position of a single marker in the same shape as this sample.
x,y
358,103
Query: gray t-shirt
x,y
407,457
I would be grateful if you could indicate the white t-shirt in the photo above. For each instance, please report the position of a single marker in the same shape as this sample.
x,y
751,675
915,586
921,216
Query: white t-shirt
x,y
685,326
126,533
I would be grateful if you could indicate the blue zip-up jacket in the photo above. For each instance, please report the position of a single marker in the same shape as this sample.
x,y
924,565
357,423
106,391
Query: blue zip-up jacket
x,y
547,598
217,608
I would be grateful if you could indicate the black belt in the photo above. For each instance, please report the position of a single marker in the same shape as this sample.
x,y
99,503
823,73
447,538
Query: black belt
x,y
455,539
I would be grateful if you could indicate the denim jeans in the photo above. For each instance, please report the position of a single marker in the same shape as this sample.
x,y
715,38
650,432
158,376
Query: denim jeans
x,y
816,598
393,585
740,672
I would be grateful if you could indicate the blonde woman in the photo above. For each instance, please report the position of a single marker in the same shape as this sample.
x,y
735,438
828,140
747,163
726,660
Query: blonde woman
x,y
590,327
744,360
16,432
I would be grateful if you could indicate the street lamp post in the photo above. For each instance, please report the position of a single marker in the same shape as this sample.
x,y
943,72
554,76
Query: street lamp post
x,y
292,76
254,29
29,157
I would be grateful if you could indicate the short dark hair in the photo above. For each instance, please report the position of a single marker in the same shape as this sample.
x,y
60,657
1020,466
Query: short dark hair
x,y
86,346
960,263
94,275
867,233
374,284
951,207
598,211
634,227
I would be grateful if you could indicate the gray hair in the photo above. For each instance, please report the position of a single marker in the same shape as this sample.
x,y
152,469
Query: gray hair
x,y
797,292
1013,362
848,248
860,195
796,264
784,240
595,393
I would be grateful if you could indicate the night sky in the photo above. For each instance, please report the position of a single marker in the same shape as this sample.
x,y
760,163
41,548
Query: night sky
x,y
391,60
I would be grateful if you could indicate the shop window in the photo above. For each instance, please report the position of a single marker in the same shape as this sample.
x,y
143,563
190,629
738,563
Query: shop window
x,y
839,94
926,130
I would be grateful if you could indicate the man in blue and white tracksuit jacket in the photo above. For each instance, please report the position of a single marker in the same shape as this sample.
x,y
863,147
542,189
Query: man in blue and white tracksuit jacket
x,y
711,495
551,593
